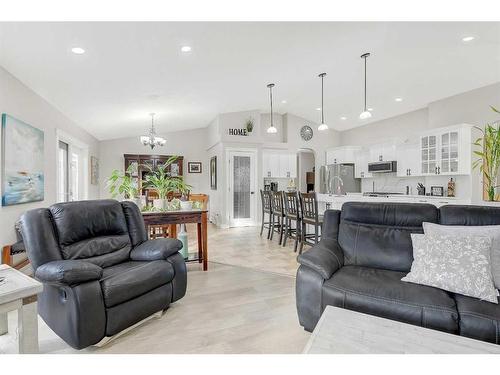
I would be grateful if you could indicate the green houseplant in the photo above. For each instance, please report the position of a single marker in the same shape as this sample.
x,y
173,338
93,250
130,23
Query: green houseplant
x,y
489,156
122,183
160,180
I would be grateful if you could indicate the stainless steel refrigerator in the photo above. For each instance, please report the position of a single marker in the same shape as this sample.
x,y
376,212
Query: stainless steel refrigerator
x,y
339,179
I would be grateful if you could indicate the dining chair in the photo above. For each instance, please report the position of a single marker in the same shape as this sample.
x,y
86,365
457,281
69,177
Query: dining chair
x,y
265,197
292,215
277,215
310,216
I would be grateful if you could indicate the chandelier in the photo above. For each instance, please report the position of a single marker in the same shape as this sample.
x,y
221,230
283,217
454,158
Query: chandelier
x,y
152,140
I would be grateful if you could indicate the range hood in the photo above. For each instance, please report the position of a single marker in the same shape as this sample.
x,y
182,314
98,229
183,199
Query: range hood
x,y
383,167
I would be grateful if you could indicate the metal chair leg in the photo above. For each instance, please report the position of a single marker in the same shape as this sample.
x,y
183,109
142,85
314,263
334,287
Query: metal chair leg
x,y
269,227
262,225
287,229
272,227
297,234
302,237
316,234
282,226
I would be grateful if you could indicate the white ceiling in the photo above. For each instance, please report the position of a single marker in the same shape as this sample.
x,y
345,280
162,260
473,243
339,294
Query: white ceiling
x,y
131,69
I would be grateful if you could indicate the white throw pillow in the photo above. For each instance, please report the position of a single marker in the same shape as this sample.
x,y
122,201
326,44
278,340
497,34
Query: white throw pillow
x,y
456,264
491,231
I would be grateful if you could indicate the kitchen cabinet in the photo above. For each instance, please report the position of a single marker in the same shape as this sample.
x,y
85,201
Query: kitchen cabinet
x,y
278,164
383,152
408,158
361,164
342,155
446,151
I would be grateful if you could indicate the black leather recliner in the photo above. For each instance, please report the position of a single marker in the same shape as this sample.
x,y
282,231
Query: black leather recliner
x,y
100,272
364,253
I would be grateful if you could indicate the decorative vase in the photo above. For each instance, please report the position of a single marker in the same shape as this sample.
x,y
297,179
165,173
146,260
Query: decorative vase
x,y
186,205
183,237
160,204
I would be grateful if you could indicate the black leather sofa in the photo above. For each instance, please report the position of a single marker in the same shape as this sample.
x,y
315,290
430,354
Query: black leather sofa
x,y
364,252
100,272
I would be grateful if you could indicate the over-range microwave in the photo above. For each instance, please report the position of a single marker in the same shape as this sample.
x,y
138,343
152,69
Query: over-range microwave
x,y
383,167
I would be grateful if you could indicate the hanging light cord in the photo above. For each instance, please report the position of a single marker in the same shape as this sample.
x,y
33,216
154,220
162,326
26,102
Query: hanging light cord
x,y
322,75
271,85
365,82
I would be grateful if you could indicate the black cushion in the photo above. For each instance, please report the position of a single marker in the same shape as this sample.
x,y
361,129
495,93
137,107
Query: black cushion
x,y
68,272
77,222
382,293
378,235
128,280
160,248
469,215
478,319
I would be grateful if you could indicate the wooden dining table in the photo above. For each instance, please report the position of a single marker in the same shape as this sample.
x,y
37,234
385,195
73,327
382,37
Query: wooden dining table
x,y
172,218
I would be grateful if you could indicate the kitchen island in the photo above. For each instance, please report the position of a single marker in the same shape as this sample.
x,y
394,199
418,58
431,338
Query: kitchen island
x,y
335,202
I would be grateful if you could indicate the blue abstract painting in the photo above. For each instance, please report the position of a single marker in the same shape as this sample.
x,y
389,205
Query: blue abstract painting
x,y
22,162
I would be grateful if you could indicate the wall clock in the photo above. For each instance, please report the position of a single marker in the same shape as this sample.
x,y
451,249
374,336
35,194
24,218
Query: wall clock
x,y
306,133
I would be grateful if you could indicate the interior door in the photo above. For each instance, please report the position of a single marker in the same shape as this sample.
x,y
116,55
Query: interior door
x,y
71,172
242,188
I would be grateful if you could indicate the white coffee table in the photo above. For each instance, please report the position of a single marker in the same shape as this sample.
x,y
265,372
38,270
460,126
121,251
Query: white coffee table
x,y
19,292
341,331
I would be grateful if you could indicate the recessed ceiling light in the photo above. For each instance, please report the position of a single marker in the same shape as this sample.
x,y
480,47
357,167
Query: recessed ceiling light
x,y
78,50
467,38
283,102
343,118
186,49
318,109
399,99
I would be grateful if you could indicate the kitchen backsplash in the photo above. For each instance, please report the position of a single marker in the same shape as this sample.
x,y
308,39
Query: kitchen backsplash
x,y
390,183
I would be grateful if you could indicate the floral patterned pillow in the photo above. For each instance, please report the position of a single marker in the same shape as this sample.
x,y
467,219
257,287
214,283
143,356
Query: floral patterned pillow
x,y
456,264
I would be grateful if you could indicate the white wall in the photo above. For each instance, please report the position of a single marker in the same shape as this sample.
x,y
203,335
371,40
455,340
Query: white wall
x,y
191,144
306,164
471,107
19,101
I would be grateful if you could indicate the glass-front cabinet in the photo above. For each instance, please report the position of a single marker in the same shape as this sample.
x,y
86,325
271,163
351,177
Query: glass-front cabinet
x,y
446,151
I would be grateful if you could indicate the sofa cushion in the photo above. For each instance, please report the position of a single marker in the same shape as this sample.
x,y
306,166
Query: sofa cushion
x,y
129,280
77,221
382,293
469,215
478,319
378,235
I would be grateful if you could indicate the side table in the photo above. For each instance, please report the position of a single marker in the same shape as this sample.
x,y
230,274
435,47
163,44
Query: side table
x,y
19,292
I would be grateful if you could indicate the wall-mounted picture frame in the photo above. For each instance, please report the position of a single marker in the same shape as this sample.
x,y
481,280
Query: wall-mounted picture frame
x,y
94,170
213,173
22,162
194,167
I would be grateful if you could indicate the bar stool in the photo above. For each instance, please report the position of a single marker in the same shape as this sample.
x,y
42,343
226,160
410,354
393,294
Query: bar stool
x,y
265,196
292,214
277,214
310,216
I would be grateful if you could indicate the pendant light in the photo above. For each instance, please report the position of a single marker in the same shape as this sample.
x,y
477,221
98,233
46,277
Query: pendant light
x,y
152,139
271,129
322,126
365,114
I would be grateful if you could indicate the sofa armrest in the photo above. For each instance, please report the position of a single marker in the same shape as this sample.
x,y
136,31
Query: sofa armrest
x,y
325,258
68,272
158,249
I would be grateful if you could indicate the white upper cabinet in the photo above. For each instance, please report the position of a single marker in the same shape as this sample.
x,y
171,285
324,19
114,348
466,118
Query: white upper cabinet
x,y
342,155
279,164
408,158
383,152
361,164
446,151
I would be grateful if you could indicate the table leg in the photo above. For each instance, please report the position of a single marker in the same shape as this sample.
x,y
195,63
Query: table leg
x,y
204,235
200,244
173,231
28,327
4,324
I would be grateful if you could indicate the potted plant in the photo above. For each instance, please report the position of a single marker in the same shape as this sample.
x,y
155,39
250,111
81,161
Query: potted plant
x,y
123,183
184,189
489,156
159,180
249,125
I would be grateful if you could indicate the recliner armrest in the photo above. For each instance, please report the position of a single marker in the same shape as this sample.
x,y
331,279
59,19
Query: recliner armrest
x,y
68,272
158,249
325,258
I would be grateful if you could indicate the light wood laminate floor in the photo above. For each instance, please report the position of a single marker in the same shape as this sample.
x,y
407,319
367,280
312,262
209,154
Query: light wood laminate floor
x,y
245,303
